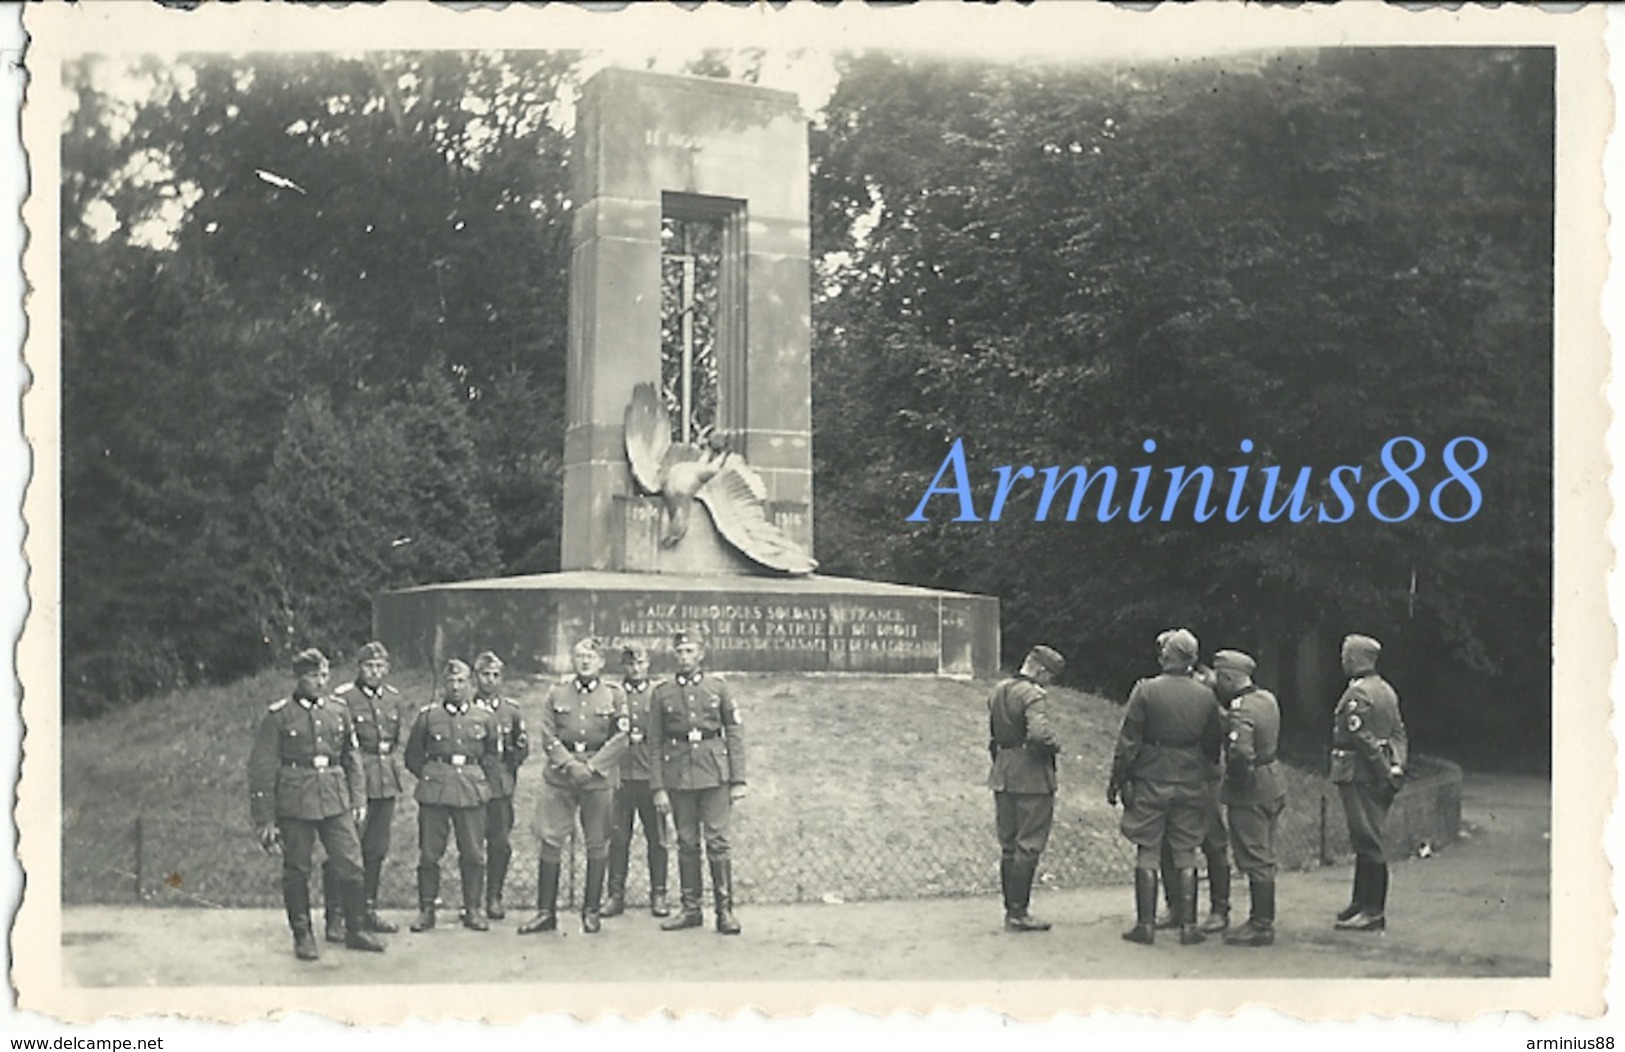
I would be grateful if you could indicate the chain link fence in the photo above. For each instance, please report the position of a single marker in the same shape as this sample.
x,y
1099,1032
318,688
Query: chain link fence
x,y
208,862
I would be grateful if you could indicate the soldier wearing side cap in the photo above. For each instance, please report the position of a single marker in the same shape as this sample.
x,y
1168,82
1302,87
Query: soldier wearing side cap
x,y
634,799
1254,791
1023,747
502,773
697,774
306,782
381,722
1369,753
1163,771
583,732
452,743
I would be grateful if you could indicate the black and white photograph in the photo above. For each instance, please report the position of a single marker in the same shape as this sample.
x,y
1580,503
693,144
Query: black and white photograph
x,y
1034,507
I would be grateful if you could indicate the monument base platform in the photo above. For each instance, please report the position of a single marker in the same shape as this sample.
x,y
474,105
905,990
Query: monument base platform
x,y
751,624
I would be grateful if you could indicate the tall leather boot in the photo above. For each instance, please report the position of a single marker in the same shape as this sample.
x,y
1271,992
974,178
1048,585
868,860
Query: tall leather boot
x,y
1218,884
353,895
428,892
620,862
496,875
1145,907
371,872
1023,870
1170,885
657,881
722,891
592,896
1260,927
688,882
473,876
296,900
1189,932
332,905
547,900
1362,885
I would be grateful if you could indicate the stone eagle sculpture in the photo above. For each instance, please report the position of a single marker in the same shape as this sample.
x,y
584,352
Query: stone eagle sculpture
x,y
719,478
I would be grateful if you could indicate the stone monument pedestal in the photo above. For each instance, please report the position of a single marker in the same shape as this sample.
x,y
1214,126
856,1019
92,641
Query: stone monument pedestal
x,y
751,623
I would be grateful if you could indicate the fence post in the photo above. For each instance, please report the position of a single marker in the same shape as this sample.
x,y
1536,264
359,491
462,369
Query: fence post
x,y
1325,841
139,861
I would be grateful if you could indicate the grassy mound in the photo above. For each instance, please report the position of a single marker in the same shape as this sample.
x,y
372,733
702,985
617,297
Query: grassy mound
x,y
860,787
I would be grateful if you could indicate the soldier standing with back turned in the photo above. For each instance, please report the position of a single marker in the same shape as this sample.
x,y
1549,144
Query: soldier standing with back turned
x,y
697,773
502,773
451,744
305,782
1369,753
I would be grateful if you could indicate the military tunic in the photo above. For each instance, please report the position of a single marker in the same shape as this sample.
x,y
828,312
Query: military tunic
x,y
502,774
1254,789
305,775
634,798
449,748
1368,742
1023,749
380,730
583,732
1165,764
699,754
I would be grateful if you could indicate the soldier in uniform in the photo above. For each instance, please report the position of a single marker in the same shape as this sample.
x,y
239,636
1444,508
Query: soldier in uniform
x,y
452,743
697,773
1023,749
1163,769
502,774
1369,753
380,730
1215,849
1254,791
305,781
584,735
634,797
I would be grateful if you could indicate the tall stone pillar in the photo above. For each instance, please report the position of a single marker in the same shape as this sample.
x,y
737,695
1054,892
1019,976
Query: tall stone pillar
x,y
651,145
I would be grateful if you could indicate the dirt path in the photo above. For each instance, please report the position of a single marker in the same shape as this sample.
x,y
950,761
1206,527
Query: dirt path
x,y
1479,908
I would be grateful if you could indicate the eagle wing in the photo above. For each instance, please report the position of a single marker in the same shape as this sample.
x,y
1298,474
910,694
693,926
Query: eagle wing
x,y
648,438
736,497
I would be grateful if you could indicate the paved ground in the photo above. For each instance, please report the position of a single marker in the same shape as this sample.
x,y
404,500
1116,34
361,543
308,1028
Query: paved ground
x,y
1499,877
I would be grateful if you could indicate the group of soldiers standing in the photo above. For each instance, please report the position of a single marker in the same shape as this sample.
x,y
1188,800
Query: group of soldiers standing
x,y
330,766
1198,745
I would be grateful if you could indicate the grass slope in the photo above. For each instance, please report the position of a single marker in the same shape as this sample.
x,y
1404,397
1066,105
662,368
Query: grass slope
x,y
860,787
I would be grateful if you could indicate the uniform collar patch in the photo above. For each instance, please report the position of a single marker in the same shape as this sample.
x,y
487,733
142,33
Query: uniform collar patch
x,y
456,708
688,679
309,703
586,686
636,686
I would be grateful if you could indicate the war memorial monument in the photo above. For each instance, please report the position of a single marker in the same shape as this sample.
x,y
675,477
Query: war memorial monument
x,y
688,482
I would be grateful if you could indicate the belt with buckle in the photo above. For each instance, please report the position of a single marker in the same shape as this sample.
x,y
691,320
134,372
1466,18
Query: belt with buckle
x,y
456,759
382,749
316,763
578,748
695,736
1342,752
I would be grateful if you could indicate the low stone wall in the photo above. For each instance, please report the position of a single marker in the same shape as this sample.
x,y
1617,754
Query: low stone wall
x,y
1427,811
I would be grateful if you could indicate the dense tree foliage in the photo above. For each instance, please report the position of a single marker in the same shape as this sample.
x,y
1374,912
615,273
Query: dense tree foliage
x,y
1317,252
315,310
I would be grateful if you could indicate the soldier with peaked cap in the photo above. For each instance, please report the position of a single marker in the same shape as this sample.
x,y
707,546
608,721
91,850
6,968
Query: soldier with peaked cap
x,y
697,773
634,798
1254,792
1215,849
1369,753
305,781
452,743
381,722
1023,748
1163,770
583,733
502,773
